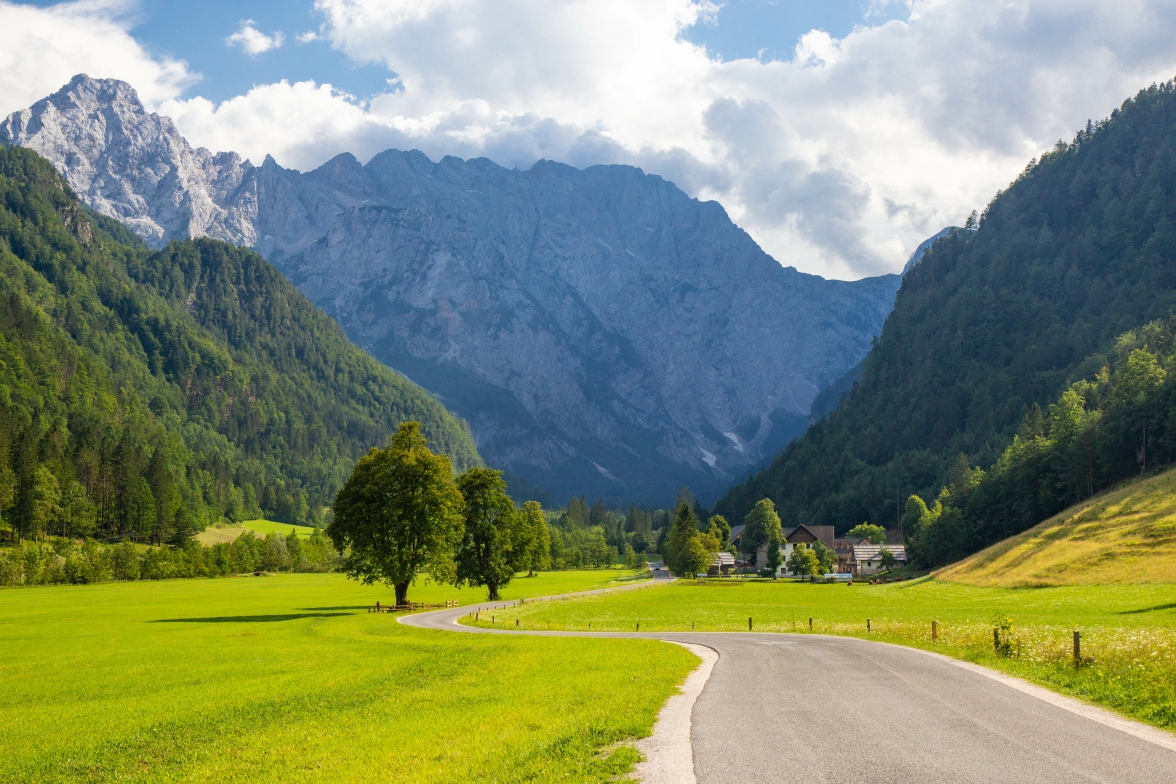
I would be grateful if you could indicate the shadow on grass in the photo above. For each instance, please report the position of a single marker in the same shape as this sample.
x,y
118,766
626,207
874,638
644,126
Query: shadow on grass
x,y
1142,610
340,607
252,618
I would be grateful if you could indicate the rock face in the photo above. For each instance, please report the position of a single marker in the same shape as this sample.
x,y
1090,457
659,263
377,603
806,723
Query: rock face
x,y
602,332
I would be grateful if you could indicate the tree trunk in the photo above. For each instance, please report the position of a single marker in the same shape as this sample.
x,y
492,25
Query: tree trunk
x,y
493,587
401,593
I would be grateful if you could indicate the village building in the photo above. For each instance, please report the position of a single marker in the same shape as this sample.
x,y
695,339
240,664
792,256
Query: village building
x,y
802,534
721,565
866,558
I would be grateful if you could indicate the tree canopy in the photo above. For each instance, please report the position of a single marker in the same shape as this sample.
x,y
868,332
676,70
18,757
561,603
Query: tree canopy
x,y
181,385
497,538
398,514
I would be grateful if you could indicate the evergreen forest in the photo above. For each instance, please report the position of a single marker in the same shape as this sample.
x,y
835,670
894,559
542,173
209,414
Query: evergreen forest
x,y
1051,284
145,395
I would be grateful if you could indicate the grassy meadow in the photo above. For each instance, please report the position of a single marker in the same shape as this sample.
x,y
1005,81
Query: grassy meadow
x,y
1125,535
288,678
227,533
1128,631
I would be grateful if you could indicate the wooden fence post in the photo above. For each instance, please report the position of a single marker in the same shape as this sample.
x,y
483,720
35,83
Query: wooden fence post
x,y
934,631
810,624
749,624
1077,648
996,639
867,624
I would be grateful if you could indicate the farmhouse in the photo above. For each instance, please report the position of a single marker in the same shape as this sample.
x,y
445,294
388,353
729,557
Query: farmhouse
x,y
866,558
722,564
792,537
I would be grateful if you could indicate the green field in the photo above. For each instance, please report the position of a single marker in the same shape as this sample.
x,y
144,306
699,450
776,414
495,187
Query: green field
x,y
1129,631
287,678
227,533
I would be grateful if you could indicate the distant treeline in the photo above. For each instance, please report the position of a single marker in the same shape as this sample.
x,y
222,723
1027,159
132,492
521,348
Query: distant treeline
x,y
62,560
1117,425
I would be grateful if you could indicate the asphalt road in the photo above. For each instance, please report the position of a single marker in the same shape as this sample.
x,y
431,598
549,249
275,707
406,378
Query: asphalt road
x,y
811,708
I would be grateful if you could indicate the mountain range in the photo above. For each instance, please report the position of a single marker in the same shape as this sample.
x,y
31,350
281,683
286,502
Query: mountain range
x,y
601,331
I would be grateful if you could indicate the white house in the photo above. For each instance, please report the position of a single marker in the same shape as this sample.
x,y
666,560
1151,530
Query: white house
x,y
791,538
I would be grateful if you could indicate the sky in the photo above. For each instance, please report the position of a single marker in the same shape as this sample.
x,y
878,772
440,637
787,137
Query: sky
x,y
839,134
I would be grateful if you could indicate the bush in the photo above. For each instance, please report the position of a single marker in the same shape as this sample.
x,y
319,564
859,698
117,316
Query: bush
x,y
60,560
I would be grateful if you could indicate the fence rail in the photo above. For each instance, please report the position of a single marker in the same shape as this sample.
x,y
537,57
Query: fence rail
x,y
410,607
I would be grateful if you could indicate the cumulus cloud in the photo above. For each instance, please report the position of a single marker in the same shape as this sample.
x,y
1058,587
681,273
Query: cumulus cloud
x,y
252,41
838,160
43,48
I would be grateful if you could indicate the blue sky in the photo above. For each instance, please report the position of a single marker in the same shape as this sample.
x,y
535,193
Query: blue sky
x,y
839,134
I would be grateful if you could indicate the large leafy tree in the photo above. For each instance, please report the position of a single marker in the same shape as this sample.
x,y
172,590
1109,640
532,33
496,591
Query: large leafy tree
x,y
760,524
683,531
539,553
497,536
875,533
399,514
804,561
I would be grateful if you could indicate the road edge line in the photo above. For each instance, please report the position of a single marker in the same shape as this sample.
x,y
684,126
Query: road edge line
x,y
1094,713
668,751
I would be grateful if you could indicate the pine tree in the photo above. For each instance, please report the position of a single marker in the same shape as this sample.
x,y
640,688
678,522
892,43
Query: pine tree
x,y
678,552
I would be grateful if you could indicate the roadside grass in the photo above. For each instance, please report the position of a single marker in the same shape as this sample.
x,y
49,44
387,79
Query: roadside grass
x,y
1125,535
287,678
1128,631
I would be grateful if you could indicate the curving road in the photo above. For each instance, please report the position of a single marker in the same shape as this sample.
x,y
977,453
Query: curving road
x,y
811,708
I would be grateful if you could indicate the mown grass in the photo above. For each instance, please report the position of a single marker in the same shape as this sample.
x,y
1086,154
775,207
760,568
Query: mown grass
x,y
1125,535
288,678
1128,631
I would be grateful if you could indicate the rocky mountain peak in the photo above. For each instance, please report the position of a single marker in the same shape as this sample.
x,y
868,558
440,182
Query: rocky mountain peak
x,y
602,332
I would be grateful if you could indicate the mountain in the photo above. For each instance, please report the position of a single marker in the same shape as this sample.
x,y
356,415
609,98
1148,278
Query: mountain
x,y
994,322
143,388
602,332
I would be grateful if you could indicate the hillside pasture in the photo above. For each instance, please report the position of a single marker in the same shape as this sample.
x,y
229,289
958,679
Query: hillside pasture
x,y
288,678
1125,535
216,534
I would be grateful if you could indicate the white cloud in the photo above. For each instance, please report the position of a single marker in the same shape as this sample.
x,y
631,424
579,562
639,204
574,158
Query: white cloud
x,y
254,42
43,48
838,161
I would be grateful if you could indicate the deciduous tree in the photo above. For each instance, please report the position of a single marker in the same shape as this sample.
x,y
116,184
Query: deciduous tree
x,y
496,534
398,514
875,533
758,525
804,561
539,552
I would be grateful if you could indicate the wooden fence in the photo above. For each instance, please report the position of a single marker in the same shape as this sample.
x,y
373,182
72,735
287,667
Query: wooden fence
x,y
410,607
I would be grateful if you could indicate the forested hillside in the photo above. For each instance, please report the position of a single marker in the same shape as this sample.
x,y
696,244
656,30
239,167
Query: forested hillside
x,y
1114,426
996,318
147,393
